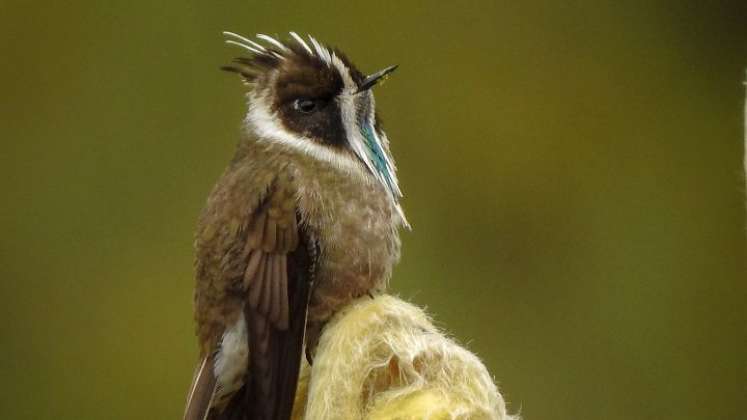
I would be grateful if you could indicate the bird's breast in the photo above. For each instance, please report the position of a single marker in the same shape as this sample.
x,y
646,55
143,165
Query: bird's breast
x,y
355,224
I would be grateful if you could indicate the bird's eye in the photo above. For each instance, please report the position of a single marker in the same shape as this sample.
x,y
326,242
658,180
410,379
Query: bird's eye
x,y
304,105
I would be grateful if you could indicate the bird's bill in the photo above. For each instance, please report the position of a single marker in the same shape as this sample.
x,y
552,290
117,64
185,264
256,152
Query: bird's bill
x,y
375,78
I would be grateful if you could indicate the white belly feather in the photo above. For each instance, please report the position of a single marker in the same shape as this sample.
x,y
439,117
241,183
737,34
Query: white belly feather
x,y
231,362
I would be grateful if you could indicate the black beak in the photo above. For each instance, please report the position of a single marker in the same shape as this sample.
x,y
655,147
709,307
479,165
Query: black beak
x,y
371,80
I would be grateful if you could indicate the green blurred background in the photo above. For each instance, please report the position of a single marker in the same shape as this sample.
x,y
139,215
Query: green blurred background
x,y
572,172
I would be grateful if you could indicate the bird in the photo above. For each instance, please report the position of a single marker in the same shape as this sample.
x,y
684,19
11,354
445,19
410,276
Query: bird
x,y
304,220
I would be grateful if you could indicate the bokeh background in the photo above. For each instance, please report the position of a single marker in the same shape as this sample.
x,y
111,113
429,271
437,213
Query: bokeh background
x,y
572,171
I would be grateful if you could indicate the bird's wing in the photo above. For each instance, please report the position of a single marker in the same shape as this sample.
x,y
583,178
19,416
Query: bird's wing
x,y
269,264
277,281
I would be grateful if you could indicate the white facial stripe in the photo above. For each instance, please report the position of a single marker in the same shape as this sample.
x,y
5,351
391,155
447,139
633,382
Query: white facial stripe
x,y
355,137
391,165
350,87
268,128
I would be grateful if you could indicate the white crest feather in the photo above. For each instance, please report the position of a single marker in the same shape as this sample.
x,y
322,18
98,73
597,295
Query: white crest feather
x,y
322,52
239,44
302,42
246,41
273,41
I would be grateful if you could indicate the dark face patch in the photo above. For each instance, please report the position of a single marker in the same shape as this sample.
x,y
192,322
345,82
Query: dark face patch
x,y
304,99
304,91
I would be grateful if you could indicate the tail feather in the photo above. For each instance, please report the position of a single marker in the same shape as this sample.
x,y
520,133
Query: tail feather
x,y
201,392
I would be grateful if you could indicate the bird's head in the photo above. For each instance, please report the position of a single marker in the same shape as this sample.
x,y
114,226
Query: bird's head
x,y
311,98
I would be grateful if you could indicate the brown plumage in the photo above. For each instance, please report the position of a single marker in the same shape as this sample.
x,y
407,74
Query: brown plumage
x,y
296,227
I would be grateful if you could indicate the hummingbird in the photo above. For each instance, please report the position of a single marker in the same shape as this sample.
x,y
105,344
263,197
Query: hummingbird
x,y
304,219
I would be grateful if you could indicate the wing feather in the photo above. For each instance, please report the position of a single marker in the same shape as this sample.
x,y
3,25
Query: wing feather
x,y
269,262
277,282
270,236
256,284
282,321
268,283
252,266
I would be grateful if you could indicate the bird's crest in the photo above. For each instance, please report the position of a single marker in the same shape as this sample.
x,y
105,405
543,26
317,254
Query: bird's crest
x,y
268,52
